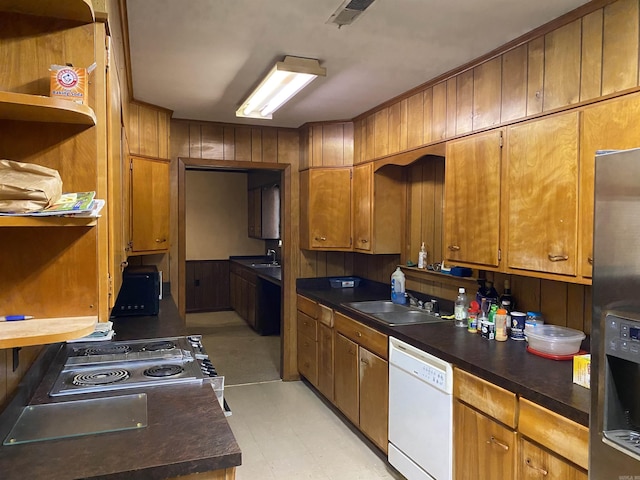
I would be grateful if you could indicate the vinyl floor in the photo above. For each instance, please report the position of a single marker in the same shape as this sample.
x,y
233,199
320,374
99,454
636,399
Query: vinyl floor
x,y
285,430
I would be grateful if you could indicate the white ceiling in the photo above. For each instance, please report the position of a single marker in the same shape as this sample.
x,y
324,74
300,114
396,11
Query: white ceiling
x,y
201,58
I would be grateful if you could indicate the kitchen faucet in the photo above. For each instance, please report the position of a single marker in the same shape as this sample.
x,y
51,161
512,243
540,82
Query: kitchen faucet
x,y
272,253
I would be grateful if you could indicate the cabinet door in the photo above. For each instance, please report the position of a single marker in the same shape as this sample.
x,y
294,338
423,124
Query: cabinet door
x,y
308,358
325,360
149,204
482,448
542,195
612,125
346,392
326,209
374,397
538,464
472,199
362,206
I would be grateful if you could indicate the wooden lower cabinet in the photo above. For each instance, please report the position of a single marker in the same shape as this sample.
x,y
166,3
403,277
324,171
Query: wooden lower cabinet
x,y
374,397
538,463
482,448
346,391
325,360
308,347
243,294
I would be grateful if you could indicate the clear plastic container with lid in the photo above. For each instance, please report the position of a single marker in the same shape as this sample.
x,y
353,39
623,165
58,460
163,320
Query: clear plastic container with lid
x,y
555,340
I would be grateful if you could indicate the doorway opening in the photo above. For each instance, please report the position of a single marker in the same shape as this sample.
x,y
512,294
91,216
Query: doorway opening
x,y
215,232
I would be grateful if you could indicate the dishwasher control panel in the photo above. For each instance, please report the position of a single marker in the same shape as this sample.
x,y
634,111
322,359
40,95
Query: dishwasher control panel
x,y
429,369
431,375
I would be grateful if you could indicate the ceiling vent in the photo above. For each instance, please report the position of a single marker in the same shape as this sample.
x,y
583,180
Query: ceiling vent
x,y
347,13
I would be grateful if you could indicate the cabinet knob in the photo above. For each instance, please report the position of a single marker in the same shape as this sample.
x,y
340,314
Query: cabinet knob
x,y
590,260
537,469
161,240
358,334
558,258
124,265
364,240
365,362
454,248
321,239
493,440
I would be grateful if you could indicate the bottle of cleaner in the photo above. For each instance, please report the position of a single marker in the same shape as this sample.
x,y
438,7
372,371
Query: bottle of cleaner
x,y
460,308
397,287
422,257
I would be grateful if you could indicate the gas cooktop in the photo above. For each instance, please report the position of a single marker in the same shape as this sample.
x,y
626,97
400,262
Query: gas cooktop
x,y
96,367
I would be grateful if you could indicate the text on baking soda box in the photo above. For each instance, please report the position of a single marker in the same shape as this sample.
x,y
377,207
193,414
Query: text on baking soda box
x,y
582,370
69,83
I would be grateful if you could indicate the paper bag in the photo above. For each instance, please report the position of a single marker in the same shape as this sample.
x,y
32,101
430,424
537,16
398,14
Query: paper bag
x,y
26,187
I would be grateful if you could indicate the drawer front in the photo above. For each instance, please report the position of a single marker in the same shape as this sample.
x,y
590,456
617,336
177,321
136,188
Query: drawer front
x,y
308,359
326,316
555,432
308,306
490,399
369,338
307,326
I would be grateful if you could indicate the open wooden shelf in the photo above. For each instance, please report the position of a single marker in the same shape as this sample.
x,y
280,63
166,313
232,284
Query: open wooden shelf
x,y
439,277
38,108
48,221
78,10
39,331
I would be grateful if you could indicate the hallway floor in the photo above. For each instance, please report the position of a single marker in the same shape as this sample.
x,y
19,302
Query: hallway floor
x,y
284,429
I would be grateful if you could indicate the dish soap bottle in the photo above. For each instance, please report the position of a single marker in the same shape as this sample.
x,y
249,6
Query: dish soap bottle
x,y
422,257
397,287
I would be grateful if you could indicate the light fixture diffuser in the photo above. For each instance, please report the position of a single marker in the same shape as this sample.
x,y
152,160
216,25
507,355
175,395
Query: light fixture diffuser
x,y
284,80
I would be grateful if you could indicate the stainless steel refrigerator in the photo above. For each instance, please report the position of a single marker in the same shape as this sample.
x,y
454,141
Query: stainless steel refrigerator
x,y
614,441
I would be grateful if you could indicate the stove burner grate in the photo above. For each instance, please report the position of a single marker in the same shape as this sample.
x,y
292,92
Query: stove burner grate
x,y
161,345
101,377
107,349
167,370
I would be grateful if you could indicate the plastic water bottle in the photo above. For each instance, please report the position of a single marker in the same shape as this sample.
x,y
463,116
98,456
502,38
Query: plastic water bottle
x,y
397,287
460,308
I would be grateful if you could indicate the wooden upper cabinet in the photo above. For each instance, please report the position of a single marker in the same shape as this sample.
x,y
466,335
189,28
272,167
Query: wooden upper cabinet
x,y
562,49
325,209
439,118
362,206
377,209
620,46
465,102
472,199
541,195
612,125
149,205
514,84
487,88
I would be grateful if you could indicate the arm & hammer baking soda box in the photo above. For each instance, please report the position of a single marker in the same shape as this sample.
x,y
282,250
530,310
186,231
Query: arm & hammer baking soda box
x,y
69,82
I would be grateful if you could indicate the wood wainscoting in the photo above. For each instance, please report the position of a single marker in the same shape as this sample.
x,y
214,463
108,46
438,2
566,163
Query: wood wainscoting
x,y
207,285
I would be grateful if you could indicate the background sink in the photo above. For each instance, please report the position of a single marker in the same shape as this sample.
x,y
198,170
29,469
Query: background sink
x,y
265,265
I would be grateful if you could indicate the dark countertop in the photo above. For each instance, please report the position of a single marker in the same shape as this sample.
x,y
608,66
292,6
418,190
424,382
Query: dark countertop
x,y
268,273
187,431
507,364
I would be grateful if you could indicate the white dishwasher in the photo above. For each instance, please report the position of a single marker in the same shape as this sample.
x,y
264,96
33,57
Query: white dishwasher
x,y
420,413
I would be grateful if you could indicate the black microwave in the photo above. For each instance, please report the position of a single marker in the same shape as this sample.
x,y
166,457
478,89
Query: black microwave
x,y
139,293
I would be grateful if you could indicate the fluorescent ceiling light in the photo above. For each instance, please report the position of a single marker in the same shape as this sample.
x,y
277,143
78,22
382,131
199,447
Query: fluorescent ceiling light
x,y
284,80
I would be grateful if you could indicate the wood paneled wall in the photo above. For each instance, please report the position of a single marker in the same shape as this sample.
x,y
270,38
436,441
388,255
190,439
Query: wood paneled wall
x,y
326,145
581,60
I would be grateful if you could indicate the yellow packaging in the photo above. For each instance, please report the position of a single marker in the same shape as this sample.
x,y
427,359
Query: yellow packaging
x,y
69,83
582,370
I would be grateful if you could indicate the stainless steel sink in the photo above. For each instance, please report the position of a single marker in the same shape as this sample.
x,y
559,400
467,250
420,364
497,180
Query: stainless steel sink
x,y
393,314
377,306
